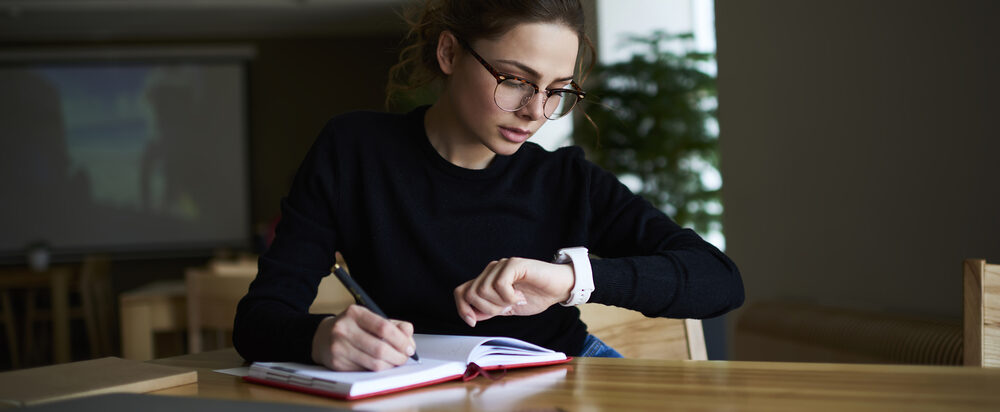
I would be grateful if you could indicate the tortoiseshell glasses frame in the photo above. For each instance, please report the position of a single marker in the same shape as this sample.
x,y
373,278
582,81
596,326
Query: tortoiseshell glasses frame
x,y
513,93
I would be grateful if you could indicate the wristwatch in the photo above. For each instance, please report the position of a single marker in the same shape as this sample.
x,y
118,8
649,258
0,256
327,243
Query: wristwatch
x,y
583,286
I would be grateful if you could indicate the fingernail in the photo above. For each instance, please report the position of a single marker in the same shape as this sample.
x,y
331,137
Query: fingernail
x,y
471,321
410,351
508,310
522,302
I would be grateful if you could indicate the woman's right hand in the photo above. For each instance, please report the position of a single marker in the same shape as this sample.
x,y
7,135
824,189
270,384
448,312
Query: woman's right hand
x,y
358,340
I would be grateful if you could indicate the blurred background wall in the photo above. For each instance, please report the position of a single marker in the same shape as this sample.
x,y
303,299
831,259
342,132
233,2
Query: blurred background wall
x,y
859,149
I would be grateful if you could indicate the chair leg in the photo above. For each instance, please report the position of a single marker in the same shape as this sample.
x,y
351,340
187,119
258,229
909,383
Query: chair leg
x,y
89,315
95,293
11,329
29,326
102,328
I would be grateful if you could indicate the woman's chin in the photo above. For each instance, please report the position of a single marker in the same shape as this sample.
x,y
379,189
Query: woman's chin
x,y
505,148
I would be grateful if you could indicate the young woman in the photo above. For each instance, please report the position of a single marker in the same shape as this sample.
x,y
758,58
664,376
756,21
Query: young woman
x,y
450,219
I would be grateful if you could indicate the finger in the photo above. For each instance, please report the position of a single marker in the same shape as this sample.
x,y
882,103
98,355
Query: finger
x,y
342,354
482,293
383,339
483,285
503,283
519,298
465,310
506,275
341,359
358,355
407,329
482,308
490,289
404,326
382,328
380,354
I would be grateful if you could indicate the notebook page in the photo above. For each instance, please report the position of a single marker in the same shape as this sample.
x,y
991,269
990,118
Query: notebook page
x,y
484,351
447,347
507,351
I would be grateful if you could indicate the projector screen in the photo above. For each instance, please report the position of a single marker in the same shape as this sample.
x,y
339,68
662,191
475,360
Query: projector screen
x,y
123,157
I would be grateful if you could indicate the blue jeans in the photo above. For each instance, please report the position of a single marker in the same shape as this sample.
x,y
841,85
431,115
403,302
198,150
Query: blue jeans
x,y
593,347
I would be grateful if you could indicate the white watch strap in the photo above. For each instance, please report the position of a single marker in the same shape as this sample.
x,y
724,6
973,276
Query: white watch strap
x,y
583,286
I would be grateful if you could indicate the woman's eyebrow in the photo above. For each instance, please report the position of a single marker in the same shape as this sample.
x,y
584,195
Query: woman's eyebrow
x,y
531,72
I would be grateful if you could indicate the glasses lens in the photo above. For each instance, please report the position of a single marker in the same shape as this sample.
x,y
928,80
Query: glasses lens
x,y
559,104
512,94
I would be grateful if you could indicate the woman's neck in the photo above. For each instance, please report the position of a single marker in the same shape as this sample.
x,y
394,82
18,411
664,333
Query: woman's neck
x,y
452,140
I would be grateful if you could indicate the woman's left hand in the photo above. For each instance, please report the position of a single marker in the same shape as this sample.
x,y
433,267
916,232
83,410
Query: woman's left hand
x,y
513,286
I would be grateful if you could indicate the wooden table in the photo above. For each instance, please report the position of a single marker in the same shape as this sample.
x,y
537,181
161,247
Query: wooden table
x,y
592,384
57,279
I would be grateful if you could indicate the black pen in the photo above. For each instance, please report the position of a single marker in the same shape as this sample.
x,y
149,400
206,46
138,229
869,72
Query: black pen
x,y
361,297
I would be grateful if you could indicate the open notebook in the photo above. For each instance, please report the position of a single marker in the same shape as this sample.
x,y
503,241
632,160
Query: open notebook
x,y
443,358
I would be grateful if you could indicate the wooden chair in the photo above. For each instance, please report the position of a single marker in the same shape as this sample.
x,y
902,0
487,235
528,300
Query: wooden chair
x,y
635,336
155,309
214,291
982,313
92,285
211,304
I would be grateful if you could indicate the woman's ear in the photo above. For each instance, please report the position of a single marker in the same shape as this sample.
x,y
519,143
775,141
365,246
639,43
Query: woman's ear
x,y
447,52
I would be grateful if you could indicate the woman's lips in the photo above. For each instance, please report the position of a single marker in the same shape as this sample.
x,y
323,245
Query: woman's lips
x,y
514,134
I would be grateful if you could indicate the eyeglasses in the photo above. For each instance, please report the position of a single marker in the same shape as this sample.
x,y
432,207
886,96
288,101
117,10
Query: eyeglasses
x,y
513,93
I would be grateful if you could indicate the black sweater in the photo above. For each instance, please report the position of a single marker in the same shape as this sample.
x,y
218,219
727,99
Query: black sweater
x,y
413,226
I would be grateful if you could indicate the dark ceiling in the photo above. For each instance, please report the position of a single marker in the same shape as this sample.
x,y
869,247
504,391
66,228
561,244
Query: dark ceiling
x,y
99,20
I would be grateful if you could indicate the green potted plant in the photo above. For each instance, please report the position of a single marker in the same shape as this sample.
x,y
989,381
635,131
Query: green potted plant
x,y
655,119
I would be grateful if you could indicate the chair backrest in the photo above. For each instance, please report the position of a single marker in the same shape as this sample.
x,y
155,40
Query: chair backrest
x,y
982,313
214,291
635,336
97,302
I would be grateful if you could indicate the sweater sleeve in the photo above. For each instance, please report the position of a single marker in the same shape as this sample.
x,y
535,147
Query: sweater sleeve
x,y
273,322
649,263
